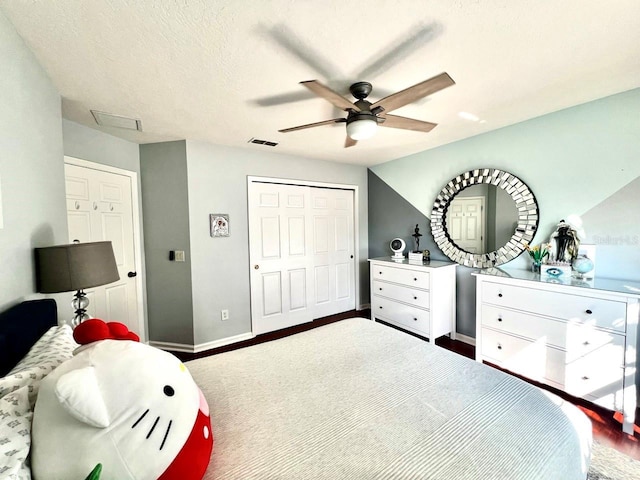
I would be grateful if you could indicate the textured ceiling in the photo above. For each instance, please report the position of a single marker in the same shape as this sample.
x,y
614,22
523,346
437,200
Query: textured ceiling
x,y
226,71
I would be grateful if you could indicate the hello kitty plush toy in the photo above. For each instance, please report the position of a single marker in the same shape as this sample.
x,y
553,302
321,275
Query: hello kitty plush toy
x,y
130,407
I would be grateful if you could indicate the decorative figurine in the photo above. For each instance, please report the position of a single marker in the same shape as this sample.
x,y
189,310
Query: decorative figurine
x,y
416,235
565,243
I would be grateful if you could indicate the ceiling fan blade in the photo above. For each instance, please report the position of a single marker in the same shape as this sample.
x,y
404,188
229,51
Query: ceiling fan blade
x,y
330,95
414,93
417,38
394,121
310,125
349,142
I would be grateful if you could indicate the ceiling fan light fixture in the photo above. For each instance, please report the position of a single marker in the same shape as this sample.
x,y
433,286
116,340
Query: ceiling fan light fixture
x,y
362,128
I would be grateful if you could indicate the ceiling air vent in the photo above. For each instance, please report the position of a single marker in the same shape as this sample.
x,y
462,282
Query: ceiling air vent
x,y
263,142
118,121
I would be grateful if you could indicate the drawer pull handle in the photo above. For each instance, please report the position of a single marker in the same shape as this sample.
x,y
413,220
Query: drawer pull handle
x,y
588,312
585,378
586,342
415,298
415,279
380,307
499,347
415,319
380,289
499,319
500,295
380,273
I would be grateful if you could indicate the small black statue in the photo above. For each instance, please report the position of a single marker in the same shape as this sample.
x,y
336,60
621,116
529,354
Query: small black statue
x,y
416,235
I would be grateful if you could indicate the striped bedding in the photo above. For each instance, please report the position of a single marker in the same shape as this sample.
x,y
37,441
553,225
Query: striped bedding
x,y
359,400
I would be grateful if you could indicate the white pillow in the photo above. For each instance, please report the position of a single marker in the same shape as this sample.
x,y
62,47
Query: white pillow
x,y
15,435
18,392
53,348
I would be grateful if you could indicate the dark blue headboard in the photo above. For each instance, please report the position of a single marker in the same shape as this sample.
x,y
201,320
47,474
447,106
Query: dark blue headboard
x,y
21,326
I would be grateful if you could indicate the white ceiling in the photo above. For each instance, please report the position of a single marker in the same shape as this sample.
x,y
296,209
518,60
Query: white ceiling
x,y
218,71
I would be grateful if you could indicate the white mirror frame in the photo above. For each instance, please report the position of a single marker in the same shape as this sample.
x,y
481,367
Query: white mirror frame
x,y
526,205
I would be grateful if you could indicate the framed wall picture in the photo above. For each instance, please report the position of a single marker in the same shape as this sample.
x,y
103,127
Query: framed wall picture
x,y
219,224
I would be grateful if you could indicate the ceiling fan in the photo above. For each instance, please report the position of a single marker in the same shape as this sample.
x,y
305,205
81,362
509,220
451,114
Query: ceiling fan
x,y
364,117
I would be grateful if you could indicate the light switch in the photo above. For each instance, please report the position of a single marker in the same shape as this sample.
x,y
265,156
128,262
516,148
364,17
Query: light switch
x,y
176,255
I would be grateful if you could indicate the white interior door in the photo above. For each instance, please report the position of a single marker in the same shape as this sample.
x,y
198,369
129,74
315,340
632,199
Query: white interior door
x,y
99,207
333,251
465,223
301,246
279,254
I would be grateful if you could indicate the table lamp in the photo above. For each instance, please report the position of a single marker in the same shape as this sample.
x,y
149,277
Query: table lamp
x,y
76,266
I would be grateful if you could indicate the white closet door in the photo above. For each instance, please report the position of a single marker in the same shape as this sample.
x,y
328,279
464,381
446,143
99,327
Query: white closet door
x,y
279,254
302,254
99,207
333,251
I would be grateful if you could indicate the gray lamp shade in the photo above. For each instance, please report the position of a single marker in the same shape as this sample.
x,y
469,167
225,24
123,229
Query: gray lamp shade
x,y
64,268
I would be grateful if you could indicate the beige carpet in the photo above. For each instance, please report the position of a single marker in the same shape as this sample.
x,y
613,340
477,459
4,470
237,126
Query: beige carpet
x,y
609,464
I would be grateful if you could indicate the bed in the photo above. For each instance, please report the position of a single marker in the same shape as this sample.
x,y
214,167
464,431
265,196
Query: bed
x,y
356,400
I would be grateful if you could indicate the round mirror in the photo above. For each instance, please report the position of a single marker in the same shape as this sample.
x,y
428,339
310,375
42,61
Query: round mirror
x,y
484,218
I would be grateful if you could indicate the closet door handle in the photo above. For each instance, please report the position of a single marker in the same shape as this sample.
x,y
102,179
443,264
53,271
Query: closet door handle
x,y
95,206
588,312
77,205
132,274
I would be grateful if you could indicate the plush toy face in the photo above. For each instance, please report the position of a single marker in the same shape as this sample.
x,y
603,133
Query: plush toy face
x,y
133,408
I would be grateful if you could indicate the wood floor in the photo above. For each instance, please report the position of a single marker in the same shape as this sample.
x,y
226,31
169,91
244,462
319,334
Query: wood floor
x,y
607,427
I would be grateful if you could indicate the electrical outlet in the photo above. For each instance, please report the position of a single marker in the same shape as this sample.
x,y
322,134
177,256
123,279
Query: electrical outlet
x,y
224,314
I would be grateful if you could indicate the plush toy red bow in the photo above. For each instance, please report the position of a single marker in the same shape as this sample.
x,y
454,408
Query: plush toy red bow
x,y
95,329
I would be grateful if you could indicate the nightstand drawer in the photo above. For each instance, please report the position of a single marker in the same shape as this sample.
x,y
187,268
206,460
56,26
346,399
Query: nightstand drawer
x,y
411,278
400,314
419,298
599,312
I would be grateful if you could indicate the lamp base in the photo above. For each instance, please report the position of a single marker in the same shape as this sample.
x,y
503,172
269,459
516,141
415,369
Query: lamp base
x,y
80,303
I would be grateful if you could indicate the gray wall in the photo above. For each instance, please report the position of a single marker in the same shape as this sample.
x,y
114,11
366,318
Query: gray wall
x,y
31,167
218,184
166,227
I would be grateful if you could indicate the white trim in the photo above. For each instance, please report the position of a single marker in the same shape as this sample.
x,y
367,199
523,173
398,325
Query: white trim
x,y
356,215
137,242
203,347
465,339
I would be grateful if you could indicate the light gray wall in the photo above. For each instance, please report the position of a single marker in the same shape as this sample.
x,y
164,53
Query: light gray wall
x,y
95,146
166,227
220,266
31,167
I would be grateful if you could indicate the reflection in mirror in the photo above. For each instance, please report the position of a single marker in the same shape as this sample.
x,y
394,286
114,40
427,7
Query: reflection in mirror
x,y
484,218
481,218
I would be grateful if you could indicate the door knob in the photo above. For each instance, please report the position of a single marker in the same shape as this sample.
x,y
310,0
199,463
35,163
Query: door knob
x,y
132,274
256,267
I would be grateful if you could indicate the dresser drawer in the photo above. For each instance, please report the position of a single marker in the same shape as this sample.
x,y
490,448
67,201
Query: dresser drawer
x,y
419,298
608,314
533,360
576,338
411,278
598,376
400,314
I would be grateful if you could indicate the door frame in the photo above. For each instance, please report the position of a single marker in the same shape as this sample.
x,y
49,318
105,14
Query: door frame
x,y
137,235
309,183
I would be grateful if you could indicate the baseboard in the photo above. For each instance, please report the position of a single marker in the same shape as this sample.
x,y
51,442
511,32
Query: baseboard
x,y
202,347
466,339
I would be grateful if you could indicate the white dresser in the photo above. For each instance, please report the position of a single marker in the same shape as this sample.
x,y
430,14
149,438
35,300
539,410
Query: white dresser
x,y
419,297
577,336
